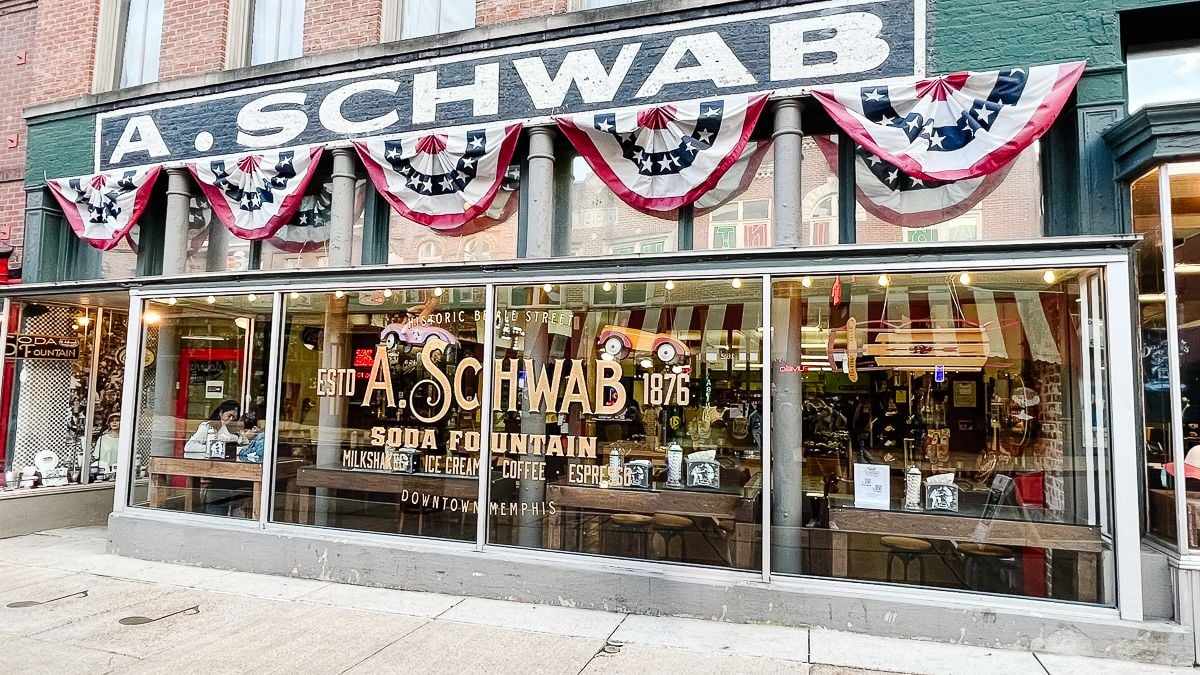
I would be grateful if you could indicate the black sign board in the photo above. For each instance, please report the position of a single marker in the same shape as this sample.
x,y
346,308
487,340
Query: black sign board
x,y
786,50
42,347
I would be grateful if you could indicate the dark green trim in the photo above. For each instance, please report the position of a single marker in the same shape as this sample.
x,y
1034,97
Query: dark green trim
x,y
254,259
376,223
46,238
1154,135
847,191
687,227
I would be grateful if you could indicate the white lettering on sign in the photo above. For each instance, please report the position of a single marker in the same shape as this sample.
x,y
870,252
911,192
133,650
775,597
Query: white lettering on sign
x,y
287,124
715,62
582,69
331,108
856,45
140,135
484,93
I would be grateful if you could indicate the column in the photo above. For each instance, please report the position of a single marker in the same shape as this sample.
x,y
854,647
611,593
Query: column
x,y
539,235
788,140
341,217
331,419
175,231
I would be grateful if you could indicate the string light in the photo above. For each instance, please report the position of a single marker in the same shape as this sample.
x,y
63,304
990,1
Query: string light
x,y
83,320
295,295
737,283
252,297
171,301
607,286
547,287
387,292
670,285
964,278
211,299
1049,277
151,317
884,280
806,282
438,291
339,294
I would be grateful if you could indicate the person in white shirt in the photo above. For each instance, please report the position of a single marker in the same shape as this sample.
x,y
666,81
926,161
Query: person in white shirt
x,y
222,416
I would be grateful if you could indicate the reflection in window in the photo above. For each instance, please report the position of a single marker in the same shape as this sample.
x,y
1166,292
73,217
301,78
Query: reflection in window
x,y
277,31
303,243
630,416
1163,76
200,434
430,17
211,246
736,214
141,41
602,224
953,431
120,262
379,414
490,236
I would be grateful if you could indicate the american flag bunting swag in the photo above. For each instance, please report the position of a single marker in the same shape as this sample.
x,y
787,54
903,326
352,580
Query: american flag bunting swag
x,y
308,230
954,127
737,180
103,208
256,194
442,180
661,158
895,197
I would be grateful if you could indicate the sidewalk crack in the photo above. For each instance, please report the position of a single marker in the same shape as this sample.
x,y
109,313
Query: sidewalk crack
x,y
606,641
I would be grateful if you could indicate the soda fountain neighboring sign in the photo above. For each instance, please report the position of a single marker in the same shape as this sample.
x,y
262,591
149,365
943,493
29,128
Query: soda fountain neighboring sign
x,y
42,347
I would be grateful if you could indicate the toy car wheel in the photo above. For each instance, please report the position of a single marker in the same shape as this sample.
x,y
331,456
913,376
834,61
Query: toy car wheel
x,y
666,352
391,341
615,347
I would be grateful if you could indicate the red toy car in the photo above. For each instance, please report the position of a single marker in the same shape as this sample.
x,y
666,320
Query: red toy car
x,y
619,342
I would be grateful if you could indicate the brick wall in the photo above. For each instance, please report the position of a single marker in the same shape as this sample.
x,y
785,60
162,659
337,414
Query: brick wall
x,y
334,25
18,23
489,12
194,35
66,40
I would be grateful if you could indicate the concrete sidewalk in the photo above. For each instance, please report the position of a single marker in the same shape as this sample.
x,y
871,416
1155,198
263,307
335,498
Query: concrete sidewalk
x,y
232,622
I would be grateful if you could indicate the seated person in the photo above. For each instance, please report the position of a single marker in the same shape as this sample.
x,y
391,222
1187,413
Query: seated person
x,y
218,422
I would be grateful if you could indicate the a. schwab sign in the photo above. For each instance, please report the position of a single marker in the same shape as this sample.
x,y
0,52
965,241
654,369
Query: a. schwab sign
x,y
786,50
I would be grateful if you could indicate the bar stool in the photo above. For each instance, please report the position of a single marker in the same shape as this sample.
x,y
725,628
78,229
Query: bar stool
x,y
906,550
632,525
672,527
989,567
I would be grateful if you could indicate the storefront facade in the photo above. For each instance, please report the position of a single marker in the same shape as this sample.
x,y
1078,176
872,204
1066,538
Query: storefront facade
x,y
776,383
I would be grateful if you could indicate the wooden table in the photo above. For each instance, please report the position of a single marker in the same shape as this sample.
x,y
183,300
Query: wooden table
x,y
161,469
727,507
1086,540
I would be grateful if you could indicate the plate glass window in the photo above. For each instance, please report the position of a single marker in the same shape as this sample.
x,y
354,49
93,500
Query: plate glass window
x,y
141,41
628,420
1163,76
430,17
946,430
277,31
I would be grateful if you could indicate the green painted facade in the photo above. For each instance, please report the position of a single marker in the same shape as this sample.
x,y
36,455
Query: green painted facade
x,y
59,146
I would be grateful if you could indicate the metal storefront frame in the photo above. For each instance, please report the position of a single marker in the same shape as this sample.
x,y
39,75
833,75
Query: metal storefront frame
x,y
1108,254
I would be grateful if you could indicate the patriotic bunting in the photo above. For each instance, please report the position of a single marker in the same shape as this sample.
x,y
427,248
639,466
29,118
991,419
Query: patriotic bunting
x,y
103,208
661,158
897,198
737,180
959,126
308,230
254,195
441,180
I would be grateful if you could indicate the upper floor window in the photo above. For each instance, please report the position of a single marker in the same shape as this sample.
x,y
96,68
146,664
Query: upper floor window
x,y
596,4
141,39
1163,76
418,18
277,31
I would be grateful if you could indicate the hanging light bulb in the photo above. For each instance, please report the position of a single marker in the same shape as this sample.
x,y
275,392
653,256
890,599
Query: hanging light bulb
x,y
252,297
607,286
339,294
242,322
1049,277
884,280
211,299
151,317
806,282
737,283
171,301
295,295
964,278
647,364
547,287
83,320
438,291
670,285
387,292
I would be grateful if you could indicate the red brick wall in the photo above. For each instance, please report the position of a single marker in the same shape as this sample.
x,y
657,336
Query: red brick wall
x,y
66,36
194,34
498,11
18,24
334,25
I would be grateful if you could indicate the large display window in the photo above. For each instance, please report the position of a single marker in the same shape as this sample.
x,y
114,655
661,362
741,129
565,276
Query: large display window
x,y
628,420
201,418
379,411
945,430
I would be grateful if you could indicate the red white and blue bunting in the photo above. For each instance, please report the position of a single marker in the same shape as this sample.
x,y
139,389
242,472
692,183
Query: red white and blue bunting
x,y
665,157
256,194
442,180
737,180
958,126
103,208
897,198
308,230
